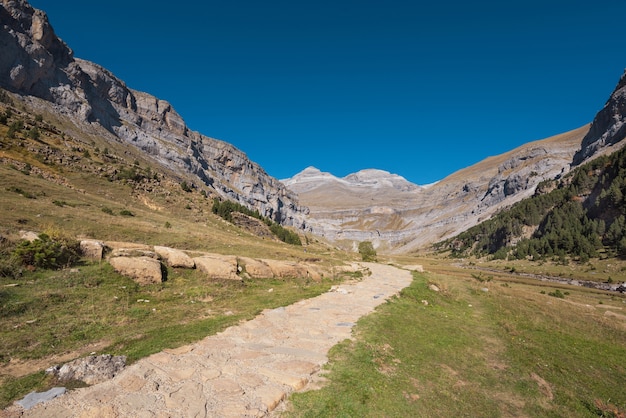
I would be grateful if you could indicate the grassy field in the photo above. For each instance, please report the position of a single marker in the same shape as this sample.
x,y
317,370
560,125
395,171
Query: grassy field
x,y
476,348
60,315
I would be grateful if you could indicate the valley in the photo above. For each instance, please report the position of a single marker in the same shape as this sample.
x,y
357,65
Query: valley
x,y
513,303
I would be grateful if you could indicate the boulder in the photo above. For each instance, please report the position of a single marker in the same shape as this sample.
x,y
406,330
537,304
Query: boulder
x,y
256,269
284,269
174,257
218,266
91,369
144,270
92,249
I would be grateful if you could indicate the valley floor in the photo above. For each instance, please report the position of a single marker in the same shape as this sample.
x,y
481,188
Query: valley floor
x,y
247,370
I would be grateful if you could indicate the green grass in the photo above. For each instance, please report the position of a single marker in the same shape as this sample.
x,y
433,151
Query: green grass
x,y
70,311
510,351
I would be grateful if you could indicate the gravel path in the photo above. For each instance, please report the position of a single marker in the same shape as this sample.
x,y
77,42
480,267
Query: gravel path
x,y
245,371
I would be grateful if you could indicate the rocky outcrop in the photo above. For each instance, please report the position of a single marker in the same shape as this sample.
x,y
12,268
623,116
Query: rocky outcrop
x,y
92,249
218,266
35,62
174,257
144,270
608,127
90,370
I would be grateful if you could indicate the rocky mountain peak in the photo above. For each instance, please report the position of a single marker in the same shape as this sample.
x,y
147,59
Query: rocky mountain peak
x,y
380,178
35,62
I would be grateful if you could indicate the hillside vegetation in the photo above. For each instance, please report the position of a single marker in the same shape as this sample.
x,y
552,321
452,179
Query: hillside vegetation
x,y
579,216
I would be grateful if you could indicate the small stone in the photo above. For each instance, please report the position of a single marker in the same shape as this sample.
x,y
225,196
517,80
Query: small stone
x,y
34,398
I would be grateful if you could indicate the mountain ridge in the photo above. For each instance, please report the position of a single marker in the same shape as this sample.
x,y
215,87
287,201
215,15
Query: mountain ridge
x,y
41,65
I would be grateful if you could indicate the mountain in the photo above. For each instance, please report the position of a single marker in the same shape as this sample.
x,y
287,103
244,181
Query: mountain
x,y
404,219
36,64
137,138
399,216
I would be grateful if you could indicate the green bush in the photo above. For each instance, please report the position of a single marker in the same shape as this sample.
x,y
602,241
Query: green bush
x,y
187,188
126,212
9,263
45,252
367,251
557,294
108,211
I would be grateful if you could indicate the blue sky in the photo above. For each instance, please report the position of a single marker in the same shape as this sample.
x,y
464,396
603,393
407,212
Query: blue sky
x,y
420,89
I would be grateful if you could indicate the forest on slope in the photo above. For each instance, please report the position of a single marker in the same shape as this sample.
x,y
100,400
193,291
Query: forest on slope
x,y
579,216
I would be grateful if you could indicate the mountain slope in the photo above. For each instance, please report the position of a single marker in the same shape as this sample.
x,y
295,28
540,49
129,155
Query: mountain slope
x,y
35,63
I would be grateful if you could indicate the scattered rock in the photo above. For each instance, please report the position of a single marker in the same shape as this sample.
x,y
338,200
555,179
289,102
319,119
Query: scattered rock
x,y
144,270
174,257
434,288
92,249
91,369
484,289
29,235
218,266
34,398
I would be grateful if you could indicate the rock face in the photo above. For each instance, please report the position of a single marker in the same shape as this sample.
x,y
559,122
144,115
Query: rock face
x,y
35,62
609,125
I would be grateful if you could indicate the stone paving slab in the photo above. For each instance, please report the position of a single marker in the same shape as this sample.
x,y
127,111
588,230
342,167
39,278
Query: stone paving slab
x,y
245,371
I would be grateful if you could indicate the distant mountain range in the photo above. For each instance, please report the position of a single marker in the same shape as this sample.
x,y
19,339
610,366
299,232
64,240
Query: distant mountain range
x,y
370,205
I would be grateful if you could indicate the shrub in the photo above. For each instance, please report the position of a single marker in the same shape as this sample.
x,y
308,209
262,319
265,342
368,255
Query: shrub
x,y
34,133
557,294
45,252
126,212
367,251
108,211
9,263
185,187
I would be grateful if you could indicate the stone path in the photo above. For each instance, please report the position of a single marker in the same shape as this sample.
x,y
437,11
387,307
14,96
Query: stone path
x,y
245,371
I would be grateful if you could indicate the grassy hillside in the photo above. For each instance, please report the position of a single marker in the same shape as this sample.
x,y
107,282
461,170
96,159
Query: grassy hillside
x,y
73,182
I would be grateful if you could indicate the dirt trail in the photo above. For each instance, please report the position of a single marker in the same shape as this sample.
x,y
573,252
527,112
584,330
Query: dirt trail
x,y
245,371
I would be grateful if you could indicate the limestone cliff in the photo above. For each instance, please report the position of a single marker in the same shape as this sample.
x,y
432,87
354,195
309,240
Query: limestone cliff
x,y
35,62
608,127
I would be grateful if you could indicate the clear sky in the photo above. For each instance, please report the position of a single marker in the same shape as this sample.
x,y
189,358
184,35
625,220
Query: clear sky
x,y
417,88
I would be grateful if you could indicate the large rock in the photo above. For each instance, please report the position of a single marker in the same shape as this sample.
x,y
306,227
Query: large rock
x,y
93,249
174,257
144,270
286,269
91,369
255,269
218,266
